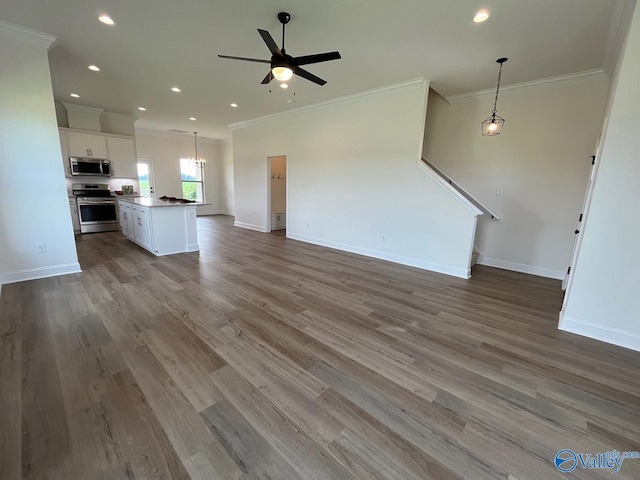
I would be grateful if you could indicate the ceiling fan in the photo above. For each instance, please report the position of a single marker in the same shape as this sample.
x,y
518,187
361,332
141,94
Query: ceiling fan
x,y
283,65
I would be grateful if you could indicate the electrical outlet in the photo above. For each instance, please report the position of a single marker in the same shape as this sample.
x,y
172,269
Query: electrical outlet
x,y
498,190
42,247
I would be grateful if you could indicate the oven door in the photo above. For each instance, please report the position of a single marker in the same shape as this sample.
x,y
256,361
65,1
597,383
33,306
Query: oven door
x,y
97,215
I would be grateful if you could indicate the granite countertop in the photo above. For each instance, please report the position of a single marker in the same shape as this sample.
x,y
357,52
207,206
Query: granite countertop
x,y
154,202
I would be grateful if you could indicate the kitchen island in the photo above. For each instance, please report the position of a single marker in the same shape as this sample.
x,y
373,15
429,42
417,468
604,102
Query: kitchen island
x,y
161,227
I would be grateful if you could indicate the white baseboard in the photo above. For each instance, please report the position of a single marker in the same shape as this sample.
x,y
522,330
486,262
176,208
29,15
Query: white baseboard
x,y
214,212
41,272
520,267
598,332
411,262
249,226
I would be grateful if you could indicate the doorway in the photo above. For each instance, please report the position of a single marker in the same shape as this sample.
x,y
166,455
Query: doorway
x,y
277,192
146,181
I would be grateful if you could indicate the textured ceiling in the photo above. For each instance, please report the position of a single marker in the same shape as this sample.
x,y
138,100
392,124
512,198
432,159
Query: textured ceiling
x,y
157,44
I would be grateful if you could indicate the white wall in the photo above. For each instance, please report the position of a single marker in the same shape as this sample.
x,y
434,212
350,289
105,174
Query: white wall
x,y
540,161
227,202
353,182
33,199
167,149
603,297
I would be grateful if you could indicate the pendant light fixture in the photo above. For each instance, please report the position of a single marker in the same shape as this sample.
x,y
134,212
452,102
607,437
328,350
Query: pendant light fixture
x,y
200,163
493,125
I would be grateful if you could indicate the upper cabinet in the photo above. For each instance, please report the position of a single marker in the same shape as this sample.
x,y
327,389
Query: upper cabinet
x,y
119,149
87,145
122,153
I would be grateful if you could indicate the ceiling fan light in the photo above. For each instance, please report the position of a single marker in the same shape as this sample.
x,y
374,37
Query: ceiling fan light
x,y
282,73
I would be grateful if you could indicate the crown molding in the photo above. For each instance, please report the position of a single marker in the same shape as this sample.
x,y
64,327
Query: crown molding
x,y
175,136
119,116
618,31
571,80
82,108
389,90
27,35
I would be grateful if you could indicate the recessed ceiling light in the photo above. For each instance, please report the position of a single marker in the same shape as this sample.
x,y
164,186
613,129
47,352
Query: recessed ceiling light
x,y
175,89
234,105
142,109
94,68
193,119
284,86
106,19
74,95
481,16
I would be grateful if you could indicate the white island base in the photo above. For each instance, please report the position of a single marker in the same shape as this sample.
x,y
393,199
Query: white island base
x,y
163,228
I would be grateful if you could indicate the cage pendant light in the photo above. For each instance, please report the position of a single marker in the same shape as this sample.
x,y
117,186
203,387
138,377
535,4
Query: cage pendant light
x,y
493,124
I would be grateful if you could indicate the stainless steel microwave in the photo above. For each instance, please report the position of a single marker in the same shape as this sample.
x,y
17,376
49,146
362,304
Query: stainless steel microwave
x,y
90,166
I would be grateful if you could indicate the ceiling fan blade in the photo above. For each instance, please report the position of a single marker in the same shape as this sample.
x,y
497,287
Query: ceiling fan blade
x,y
317,58
308,75
268,78
271,44
245,59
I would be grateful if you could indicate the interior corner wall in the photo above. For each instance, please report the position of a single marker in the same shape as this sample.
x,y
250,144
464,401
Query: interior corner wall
x,y
541,163
353,182
227,202
602,298
166,150
30,162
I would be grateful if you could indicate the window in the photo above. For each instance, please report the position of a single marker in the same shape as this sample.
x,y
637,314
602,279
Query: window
x,y
192,180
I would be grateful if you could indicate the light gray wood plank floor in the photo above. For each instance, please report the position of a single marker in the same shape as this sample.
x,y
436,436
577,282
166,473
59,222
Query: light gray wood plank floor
x,y
262,357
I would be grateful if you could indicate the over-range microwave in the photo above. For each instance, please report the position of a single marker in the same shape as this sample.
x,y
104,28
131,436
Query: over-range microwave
x,y
90,166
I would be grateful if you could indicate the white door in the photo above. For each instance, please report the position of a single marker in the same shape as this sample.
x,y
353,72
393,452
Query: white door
x,y
145,177
585,205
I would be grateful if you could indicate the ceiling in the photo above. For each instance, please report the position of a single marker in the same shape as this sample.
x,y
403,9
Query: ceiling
x,y
158,44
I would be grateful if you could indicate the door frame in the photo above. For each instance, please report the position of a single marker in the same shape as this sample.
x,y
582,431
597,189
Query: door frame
x,y
286,189
152,177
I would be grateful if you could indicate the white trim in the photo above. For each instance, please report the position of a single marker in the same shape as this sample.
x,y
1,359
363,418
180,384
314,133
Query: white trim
x,y
411,262
82,108
573,79
389,90
442,183
119,116
249,226
174,136
520,267
598,332
618,30
27,35
214,212
40,272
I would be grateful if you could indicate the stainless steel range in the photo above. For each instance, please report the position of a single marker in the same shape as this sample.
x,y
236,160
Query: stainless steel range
x,y
97,209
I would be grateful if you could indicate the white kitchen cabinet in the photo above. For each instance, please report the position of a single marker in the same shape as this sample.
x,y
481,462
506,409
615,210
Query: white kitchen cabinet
x,y
122,153
87,145
75,220
64,147
142,227
161,228
125,214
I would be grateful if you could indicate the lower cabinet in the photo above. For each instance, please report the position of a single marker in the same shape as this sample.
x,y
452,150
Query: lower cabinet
x,y
161,230
142,226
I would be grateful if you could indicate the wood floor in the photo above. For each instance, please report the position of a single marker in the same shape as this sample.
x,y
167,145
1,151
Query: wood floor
x,y
266,358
